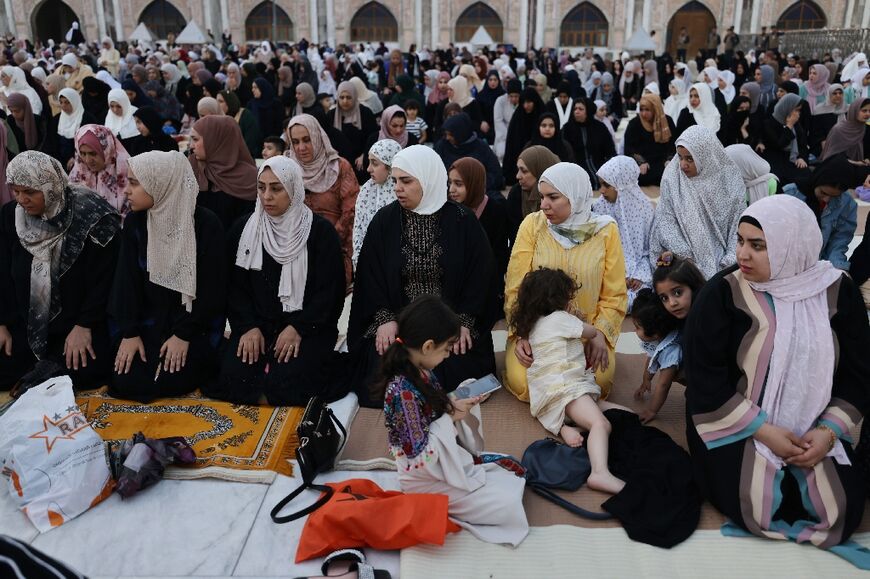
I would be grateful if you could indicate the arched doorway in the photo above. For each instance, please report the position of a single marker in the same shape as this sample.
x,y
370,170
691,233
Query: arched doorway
x,y
52,20
476,15
373,22
584,25
258,24
162,18
698,20
803,15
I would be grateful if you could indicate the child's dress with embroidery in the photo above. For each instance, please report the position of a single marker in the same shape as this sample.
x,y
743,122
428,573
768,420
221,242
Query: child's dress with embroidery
x,y
436,455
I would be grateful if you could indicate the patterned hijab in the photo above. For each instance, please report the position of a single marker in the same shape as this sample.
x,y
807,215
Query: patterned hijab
x,y
228,165
573,182
322,171
285,238
111,182
801,370
659,124
72,216
171,254
353,116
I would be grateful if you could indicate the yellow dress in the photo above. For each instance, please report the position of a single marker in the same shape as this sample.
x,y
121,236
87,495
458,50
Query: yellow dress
x,y
598,267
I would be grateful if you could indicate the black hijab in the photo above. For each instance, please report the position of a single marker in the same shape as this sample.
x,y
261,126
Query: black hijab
x,y
156,140
95,95
556,144
487,96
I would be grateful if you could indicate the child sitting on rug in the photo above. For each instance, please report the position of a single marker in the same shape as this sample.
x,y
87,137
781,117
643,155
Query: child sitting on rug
x,y
561,386
437,440
676,282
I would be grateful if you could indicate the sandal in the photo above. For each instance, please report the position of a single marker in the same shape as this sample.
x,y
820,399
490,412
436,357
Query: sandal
x,y
355,566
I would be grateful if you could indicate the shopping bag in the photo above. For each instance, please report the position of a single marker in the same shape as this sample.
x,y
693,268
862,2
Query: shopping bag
x,y
54,461
361,514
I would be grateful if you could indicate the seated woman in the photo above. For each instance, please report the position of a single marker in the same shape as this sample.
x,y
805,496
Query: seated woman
x,y
702,197
848,135
355,121
459,140
61,131
649,139
589,138
859,267
523,126
466,179
169,292
331,186
253,137
566,235
286,293
225,172
22,123
759,181
785,142
101,165
306,103
700,111
825,191
622,199
55,313
376,193
120,119
826,116
524,197
150,126
548,134
775,353
422,244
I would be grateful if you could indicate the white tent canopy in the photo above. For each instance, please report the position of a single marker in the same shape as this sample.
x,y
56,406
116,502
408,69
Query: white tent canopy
x,y
142,34
481,37
192,34
640,41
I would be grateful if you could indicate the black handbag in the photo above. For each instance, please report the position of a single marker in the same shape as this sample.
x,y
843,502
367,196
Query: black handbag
x,y
321,438
552,465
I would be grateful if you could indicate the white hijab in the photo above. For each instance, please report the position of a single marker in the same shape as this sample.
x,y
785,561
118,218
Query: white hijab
x,y
68,124
19,85
674,104
105,77
755,170
729,91
425,165
171,254
573,182
285,238
706,115
124,126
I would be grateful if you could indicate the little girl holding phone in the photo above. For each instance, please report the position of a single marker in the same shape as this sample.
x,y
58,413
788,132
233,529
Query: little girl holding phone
x,y
438,441
561,386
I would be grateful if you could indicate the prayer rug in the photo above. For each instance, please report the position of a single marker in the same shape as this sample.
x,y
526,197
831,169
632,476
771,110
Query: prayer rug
x,y
232,441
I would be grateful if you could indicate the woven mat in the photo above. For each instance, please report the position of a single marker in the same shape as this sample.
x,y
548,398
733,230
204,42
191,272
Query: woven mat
x,y
510,428
232,442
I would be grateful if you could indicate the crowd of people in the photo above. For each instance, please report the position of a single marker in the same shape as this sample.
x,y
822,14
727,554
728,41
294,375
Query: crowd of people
x,y
470,177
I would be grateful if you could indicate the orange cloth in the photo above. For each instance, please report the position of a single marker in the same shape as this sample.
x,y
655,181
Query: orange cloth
x,y
361,514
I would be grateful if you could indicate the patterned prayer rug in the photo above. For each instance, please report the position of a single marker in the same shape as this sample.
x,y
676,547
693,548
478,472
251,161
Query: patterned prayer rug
x,y
232,441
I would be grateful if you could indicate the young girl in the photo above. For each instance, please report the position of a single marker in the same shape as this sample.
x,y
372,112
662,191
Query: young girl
x,y
675,281
437,440
375,193
561,387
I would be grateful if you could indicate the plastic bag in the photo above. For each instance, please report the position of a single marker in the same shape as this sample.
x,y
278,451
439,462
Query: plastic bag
x,y
140,462
54,461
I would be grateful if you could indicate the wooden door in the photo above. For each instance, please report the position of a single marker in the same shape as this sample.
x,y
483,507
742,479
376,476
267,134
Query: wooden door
x,y
697,20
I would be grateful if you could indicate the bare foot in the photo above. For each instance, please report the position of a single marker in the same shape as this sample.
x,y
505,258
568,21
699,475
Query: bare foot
x,y
571,436
605,481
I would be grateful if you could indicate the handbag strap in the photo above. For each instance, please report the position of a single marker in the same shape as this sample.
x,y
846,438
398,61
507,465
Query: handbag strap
x,y
327,490
340,426
567,505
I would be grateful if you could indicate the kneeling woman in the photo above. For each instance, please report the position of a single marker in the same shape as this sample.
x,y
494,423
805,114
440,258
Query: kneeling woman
x,y
776,355
421,244
168,297
286,293
58,247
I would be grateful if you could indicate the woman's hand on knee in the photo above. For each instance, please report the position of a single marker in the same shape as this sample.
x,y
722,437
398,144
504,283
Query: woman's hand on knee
x,y
77,346
464,343
174,354
5,341
127,352
523,351
288,344
597,352
251,345
385,336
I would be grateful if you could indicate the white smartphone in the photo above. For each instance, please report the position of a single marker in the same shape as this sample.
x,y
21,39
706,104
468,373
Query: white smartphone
x,y
485,385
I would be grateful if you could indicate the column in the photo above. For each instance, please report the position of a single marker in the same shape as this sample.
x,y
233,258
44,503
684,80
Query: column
x,y
539,24
524,25
10,17
647,13
629,19
738,16
850,11
436,25
101,19
756,15
312,21
418,24
225,18
206,12
119,21
865,18
330,22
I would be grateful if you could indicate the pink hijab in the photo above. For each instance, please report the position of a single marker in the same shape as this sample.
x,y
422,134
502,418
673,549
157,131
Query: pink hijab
x,y
386,117
437,95
801,371
819,87
111,182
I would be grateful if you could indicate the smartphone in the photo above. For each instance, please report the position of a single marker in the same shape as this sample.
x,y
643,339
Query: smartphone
x,y
485,385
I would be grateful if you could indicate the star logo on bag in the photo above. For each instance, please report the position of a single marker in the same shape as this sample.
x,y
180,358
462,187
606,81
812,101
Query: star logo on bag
x,y
60,428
